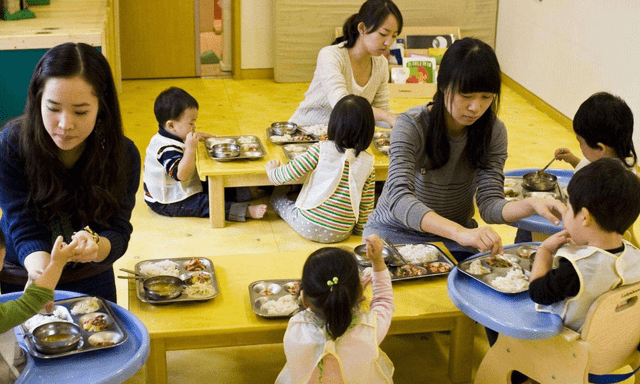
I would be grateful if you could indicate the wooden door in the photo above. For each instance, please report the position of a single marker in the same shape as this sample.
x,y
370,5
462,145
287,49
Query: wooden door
x,y
157,39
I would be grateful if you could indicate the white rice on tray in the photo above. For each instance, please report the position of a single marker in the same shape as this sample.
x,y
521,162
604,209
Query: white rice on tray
x,y
477,269
164,267
86,306
316,130
419,253
514,281
59,314
283,306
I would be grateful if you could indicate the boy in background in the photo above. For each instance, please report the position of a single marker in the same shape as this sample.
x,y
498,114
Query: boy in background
x,y
171,184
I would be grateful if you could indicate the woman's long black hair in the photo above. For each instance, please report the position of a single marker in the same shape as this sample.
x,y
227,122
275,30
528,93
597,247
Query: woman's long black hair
x,y
101,187
372,13
468,66
337,299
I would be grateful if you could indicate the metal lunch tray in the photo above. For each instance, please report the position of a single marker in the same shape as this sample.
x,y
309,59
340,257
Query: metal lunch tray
x,y
182,262
278,288
378,136
298,132
442,258
305,130
516,253
517,187
244,142
114,332
290,154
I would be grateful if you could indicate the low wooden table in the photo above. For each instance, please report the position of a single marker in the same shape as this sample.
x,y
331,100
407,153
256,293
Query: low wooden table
x,y
422,305
248,173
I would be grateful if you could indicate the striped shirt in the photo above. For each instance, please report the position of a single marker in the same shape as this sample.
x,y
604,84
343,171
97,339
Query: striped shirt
x,y
336,212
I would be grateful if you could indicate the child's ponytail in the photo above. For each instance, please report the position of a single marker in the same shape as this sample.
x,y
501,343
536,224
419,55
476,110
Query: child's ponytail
x,y
331,284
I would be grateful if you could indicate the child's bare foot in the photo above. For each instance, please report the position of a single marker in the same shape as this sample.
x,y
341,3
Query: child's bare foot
x,y
256,211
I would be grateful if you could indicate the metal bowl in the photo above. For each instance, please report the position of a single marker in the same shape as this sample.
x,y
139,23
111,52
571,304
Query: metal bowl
x,y
57,337
163,287
284,128
539,182
226,150
361,255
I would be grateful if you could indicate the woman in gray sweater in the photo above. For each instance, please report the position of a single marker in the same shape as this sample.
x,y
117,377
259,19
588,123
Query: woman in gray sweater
x,y
354,64
447,152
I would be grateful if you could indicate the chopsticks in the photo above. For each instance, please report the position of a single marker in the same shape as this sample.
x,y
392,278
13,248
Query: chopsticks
x,y
397,256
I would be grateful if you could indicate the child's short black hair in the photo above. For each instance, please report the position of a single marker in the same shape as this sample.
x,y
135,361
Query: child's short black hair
x,y
351,124
171,104
609,191
3,242
607,119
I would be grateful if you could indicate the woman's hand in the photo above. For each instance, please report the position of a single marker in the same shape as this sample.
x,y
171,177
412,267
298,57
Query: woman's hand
x,y
271,165
483,238
86,250
551,210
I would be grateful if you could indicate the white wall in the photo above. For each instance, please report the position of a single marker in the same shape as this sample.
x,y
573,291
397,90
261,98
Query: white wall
x,y
256,34
565,50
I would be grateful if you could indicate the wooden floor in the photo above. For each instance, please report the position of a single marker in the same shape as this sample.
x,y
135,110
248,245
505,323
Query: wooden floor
x,y
533,137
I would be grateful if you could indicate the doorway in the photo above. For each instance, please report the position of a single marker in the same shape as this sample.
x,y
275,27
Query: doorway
x,y
215,38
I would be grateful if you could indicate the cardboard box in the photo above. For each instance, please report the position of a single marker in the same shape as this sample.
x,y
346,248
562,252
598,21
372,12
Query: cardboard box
x,y
420,90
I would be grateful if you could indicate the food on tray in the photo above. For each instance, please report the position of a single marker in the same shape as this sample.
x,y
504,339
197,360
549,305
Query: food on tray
x,y
438,267
57,337
250,148
296,148
195,264
384,142
287,137
283,306
497,262
526,253
266,292
200,278
510,183
104,343
95,324
164,267
246,140
316,130
419,253
478,269
162,289
514,281
59,314
511,193
86,306
200,289
324,136
410,270
294,288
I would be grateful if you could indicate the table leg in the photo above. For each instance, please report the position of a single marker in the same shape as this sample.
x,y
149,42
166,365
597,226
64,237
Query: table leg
x,y
461,350
216,201
156,371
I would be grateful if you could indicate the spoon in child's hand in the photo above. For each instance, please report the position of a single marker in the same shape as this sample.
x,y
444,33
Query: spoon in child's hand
x,y
540,172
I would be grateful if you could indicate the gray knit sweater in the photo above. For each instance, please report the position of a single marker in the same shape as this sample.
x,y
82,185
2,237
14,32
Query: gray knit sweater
x,y
333,79
412,189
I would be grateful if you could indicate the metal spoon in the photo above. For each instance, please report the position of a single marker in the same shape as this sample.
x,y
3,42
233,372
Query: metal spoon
x,y
132,272
540,172
397,256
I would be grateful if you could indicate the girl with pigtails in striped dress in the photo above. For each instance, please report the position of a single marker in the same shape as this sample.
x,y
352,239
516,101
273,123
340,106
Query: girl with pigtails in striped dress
x,y
338,194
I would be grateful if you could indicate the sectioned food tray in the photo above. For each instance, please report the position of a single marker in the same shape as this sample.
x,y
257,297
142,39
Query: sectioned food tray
x,y
109,337
250,147
270,291
296,137
185,272
520,255
439,266
381,141
291,151
513,190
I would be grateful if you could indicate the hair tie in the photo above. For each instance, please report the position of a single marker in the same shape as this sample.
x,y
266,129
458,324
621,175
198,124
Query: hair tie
x,y
331,283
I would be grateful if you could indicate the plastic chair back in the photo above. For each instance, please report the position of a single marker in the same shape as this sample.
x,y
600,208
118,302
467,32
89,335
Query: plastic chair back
x,y
612,328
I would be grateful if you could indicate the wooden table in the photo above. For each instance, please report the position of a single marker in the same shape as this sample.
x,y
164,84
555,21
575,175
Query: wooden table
x,y
422,306
247,173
